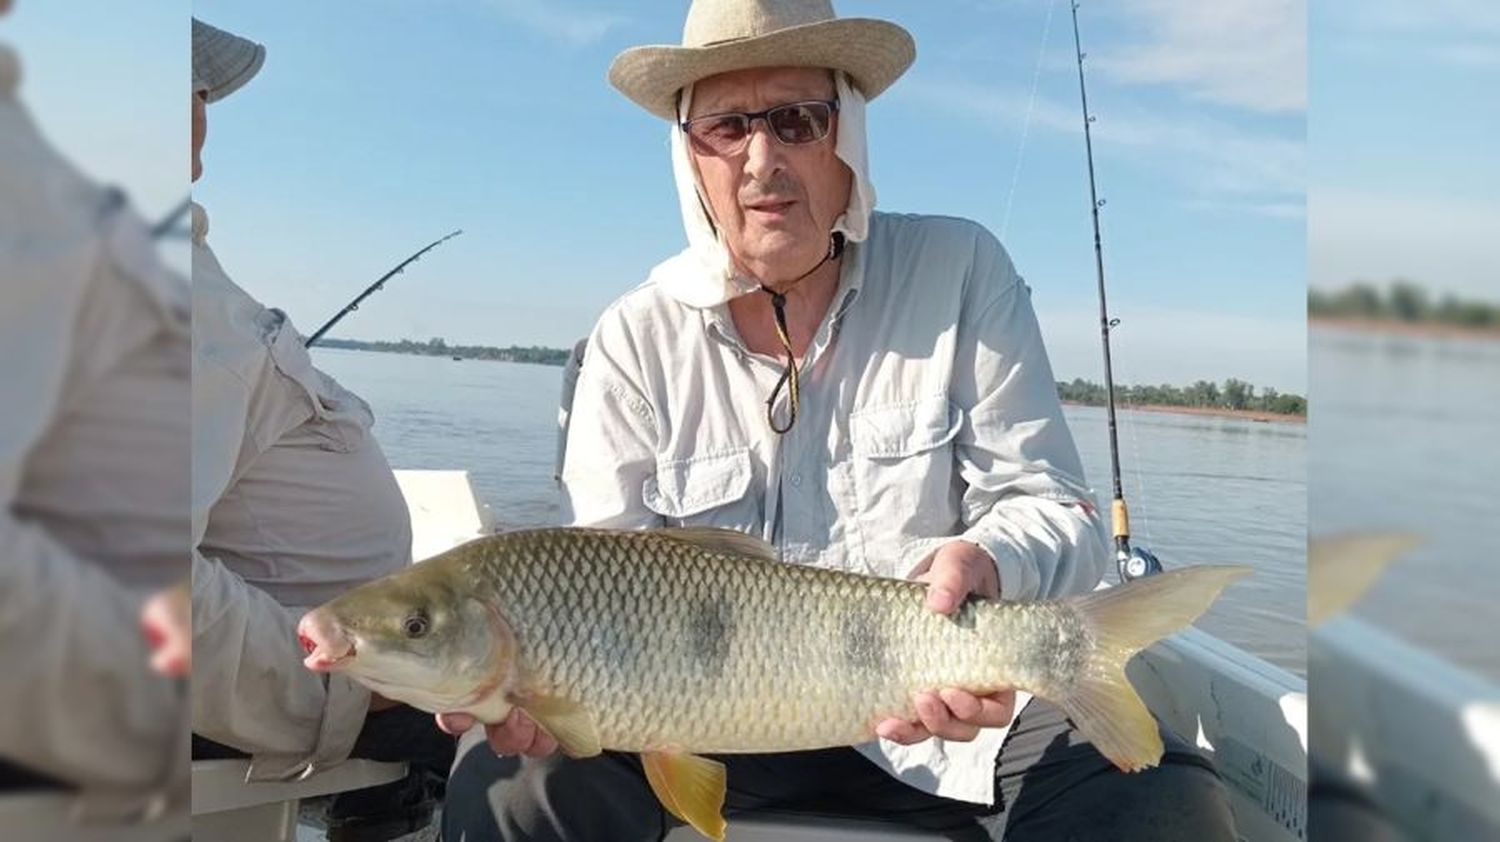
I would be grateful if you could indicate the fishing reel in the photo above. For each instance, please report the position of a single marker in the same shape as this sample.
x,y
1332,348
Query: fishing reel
x,y
1135,562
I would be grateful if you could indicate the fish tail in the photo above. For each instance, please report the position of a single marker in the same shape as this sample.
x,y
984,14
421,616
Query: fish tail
x,y
1124,620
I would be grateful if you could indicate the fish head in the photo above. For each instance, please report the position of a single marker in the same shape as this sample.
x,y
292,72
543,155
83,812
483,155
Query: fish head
x,y
415,638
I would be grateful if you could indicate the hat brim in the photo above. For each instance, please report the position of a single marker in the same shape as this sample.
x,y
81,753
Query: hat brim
x,y
222,61
873,52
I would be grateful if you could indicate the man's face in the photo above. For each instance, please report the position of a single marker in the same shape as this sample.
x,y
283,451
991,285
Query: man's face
x,y
200,130
774,202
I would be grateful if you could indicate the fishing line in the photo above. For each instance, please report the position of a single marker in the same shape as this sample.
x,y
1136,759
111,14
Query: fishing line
x,y
1140,476
1036,75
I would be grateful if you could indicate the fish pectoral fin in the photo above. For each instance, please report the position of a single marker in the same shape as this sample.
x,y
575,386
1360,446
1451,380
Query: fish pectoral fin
x,y
491,710
728,541
567,722
690,787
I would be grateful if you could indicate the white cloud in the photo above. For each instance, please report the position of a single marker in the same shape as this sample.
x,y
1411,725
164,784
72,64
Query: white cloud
x,y
1245,53
1445,243
1213,159
573,26
1458,33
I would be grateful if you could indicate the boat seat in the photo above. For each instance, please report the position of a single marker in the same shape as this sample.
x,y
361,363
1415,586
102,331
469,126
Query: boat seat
x,y
226,808
444,510
46,815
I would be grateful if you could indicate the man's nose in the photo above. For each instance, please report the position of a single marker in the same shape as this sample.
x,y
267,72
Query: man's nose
x,y
763,152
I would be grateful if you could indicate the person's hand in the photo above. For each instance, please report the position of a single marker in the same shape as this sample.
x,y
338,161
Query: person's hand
x,y
167,624
518,734
952,572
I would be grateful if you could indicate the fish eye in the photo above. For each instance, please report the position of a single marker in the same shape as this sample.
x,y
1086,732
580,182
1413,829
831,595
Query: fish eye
x,y
415,625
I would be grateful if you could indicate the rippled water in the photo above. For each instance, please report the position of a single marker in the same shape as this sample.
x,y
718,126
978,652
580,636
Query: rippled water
x,y
1403,439
1202,490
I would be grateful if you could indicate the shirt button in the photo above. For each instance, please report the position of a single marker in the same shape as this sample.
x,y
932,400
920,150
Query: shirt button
x,y
796,480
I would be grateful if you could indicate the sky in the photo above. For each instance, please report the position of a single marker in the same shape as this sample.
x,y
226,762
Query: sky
x,y
1402,144
377,126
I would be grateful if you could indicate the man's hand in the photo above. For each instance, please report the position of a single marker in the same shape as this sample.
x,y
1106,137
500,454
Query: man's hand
x,y
518,734
955,570
167,624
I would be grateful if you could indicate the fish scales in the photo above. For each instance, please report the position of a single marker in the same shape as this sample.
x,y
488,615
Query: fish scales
x,y
670,645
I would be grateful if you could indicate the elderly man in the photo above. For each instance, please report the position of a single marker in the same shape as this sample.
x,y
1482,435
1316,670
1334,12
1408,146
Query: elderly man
x,y
867,392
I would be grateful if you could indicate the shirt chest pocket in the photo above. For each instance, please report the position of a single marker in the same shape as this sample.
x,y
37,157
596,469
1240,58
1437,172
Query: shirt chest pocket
x,y
905,472
707,490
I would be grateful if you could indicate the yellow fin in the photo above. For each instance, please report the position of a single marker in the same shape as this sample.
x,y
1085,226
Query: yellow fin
x,y
1341,569
567,722
691,788
719,540
1124,620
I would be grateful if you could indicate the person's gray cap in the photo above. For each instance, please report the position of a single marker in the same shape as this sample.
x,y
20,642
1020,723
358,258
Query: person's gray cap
x,y
222,61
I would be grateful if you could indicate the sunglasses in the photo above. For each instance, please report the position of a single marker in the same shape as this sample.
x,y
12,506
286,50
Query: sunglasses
x,y
792,124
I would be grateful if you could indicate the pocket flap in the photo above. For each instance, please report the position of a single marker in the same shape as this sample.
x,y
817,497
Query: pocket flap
x,y
905,429
684,487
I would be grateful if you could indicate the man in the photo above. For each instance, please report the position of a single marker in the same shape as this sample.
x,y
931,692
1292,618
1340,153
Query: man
x,y
293,502
867,392
93,481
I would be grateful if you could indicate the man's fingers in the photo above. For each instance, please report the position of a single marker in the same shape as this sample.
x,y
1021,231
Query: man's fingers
x,y
992,711
901,731
541,745
940,721
947,583
455,724
512,736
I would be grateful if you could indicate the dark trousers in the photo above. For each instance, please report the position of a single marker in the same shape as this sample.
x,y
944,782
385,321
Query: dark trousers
x,y
1050,786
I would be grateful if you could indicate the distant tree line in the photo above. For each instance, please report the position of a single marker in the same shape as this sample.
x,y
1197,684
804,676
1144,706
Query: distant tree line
x,y
437,347
1401,301
1233,394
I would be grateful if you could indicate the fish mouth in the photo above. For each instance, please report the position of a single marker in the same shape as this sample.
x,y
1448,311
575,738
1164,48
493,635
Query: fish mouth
x,y
327,646
320,659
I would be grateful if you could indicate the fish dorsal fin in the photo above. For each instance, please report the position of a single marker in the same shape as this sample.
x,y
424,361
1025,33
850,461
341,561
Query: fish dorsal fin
x,y
567,722
729,541
691,788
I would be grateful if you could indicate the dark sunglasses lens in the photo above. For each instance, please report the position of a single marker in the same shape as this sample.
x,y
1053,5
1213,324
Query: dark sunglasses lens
x,y
719,134
802,123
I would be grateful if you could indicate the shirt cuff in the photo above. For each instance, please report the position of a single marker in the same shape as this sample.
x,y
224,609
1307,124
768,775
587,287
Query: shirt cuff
x,y
344,711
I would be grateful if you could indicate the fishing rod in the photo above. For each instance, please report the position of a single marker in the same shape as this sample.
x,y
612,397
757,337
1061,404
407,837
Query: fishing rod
x,y
1132,562
371,289
168,223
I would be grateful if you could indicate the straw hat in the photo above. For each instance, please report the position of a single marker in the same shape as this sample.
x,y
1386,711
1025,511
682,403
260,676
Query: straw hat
x,y
725,35
223,61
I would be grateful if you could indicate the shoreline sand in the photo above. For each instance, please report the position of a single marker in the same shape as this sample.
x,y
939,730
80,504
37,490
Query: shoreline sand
x,y
1213,412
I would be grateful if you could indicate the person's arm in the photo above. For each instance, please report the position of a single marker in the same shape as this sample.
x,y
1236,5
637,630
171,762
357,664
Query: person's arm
x,y
249,689
81,704
1025,502
611,438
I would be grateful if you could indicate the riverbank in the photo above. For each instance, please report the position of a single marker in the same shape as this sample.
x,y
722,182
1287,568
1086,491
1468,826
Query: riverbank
x,y
1214,412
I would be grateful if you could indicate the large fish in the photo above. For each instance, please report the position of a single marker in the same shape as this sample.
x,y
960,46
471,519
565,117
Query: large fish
x,y
676,642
